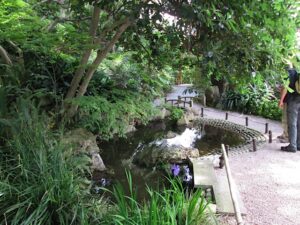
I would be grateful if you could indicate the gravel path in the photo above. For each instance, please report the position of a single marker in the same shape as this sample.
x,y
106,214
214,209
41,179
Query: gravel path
x,y
268,180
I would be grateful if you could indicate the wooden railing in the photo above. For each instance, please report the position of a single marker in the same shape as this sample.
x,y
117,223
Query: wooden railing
x,y
181,101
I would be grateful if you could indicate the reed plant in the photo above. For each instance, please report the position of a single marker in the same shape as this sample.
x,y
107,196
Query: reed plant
x,y
172,205
41,181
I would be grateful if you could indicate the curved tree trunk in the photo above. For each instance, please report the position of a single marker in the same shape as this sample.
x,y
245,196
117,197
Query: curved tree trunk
x,y
100,56
85,57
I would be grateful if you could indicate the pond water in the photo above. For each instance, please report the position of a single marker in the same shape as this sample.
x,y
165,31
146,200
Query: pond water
x,y
117,153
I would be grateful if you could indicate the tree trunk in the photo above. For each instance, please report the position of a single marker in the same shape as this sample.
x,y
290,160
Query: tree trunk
x,y
86,55
20,58
5,56
100,56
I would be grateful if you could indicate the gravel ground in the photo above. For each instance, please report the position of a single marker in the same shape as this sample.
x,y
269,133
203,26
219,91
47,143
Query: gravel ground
x,y
268,180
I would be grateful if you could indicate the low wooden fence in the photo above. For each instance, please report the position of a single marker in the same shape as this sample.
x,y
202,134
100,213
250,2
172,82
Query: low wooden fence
x,y
181,101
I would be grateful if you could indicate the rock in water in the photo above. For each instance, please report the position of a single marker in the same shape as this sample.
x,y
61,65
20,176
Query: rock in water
x,y
83,141
162,153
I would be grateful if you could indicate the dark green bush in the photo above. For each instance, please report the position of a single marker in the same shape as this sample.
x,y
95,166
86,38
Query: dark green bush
x,y
176,113
257,101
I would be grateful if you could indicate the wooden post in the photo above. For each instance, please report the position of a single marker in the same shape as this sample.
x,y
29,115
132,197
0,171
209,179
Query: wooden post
x,y
202,112
254,145
221,162
267,128
165,99
191,103
226,116
246,121
232,189
227,150
270,136
179,100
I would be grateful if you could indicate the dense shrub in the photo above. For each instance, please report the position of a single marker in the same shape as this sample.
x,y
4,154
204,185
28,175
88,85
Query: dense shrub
x,y
111,114
257,101
175,112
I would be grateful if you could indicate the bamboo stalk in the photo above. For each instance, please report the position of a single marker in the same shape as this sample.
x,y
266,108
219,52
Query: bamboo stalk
x,y
232,189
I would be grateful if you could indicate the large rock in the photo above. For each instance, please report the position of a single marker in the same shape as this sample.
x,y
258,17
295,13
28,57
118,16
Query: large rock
x,y
161,152
163,113
187,117
83,141
130,128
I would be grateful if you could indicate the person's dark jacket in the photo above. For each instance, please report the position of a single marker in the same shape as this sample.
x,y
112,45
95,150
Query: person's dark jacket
x,y
293,76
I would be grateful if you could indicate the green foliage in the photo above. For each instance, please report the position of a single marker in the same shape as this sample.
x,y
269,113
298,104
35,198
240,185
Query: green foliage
x,y
42,181
172,205
112,113
41,67
120,94
254,100
246,38
121,71
176,113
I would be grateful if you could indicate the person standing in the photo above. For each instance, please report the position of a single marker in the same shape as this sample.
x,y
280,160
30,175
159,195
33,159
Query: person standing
x,y
283,138
293,112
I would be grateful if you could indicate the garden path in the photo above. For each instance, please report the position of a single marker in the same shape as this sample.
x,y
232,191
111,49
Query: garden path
x,y
268,179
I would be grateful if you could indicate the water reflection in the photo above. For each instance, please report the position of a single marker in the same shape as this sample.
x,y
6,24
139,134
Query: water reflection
x,y
186,139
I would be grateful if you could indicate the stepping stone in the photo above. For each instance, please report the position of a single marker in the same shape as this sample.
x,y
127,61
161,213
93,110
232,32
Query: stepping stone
x,y
205,177
204,173
223,197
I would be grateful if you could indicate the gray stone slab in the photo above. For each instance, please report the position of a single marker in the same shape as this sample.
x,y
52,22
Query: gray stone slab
x,y
204,173
205,177
223,197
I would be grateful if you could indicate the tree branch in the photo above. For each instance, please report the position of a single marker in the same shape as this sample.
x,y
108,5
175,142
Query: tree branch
x,y
100,39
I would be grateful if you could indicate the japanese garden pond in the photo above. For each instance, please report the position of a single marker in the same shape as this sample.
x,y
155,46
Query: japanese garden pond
x,y
118,154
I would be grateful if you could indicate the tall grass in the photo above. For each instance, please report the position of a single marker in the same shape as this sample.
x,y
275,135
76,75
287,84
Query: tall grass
x,y
171,206
42,181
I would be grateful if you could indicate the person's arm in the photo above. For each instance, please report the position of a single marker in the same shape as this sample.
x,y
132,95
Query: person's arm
x,y
282,96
